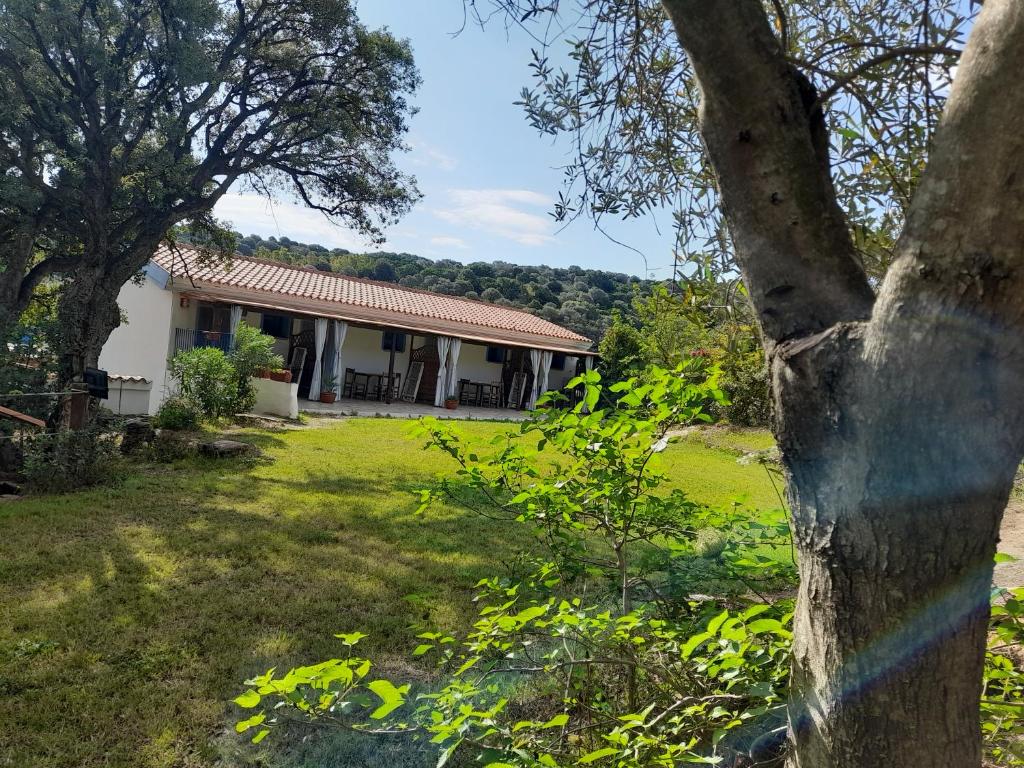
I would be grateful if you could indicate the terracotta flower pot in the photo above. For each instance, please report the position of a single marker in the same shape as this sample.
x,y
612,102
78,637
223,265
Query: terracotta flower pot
x,y
285,376
264,373
327,397
451,403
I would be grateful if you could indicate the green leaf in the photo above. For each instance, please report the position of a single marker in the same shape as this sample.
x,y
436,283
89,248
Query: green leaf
x,y
244,725
351,638
557,721
249,699
715,624
691,645
391,698
1002,557
421,649
597,754
260,736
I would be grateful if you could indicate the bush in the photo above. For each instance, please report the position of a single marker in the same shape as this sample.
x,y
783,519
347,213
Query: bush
x,y
69,459
171,445
253,352
177,413
745,382
207,378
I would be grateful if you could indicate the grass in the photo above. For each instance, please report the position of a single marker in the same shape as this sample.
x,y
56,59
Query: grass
x,y
129,615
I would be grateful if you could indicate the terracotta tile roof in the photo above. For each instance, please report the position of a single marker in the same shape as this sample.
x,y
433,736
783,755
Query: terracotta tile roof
x,y
335,291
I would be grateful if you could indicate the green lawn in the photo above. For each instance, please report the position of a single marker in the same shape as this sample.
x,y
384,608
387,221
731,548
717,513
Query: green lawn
x,y
130,614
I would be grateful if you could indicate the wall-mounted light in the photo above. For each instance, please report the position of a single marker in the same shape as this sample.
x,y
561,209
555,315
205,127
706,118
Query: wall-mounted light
x,y
183,302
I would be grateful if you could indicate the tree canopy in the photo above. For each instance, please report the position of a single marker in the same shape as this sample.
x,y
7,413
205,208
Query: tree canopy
x,y
122,119
578,298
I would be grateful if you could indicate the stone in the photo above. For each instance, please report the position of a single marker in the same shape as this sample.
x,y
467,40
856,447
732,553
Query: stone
x,y
7,488
224,448
137,433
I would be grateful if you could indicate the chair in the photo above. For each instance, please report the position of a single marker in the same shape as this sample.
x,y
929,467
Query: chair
x,y
360,383
297,362
467,398
492,395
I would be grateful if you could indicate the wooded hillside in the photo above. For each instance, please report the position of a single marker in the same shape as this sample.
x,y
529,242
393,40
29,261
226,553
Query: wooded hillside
x,y
580,299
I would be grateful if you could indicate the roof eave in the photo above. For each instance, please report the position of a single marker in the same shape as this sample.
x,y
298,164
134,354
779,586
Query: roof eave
x,y
385,318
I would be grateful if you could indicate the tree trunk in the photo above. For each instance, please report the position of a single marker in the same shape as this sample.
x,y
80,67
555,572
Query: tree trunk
x,y
88,313
896,497
899,419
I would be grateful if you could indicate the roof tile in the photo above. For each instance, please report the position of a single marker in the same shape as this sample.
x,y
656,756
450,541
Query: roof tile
x,y
275,277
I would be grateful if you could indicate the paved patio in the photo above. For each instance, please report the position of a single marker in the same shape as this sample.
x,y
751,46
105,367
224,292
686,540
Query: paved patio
x,y
403,410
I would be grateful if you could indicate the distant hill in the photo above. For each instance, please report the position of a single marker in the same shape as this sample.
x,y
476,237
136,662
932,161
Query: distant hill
x,y
577,298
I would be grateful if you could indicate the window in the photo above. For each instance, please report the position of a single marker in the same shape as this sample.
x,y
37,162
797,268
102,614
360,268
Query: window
x,y
496,354
558,361
278,326
210,317
394,339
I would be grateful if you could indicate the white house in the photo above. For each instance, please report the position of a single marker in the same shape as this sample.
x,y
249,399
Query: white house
x,y
355,334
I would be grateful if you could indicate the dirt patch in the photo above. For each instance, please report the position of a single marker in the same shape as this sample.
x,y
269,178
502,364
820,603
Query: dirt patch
x,y
1011,542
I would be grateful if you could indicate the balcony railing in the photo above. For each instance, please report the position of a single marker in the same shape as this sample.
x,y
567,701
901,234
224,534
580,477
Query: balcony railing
x,y
189,338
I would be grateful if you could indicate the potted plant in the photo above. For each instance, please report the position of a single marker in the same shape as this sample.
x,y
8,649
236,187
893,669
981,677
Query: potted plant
x,y
451,403
280,374
327,389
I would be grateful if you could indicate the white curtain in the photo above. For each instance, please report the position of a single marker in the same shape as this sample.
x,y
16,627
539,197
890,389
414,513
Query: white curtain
x,y
535,367
236,319
319,338
443,344
453,366
588,362
340,331
545,369
570,365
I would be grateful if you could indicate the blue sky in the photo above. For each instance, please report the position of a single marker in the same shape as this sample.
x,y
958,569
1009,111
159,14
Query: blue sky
x,y
488,179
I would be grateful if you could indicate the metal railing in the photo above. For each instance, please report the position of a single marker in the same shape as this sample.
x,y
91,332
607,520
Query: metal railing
x,y
186,339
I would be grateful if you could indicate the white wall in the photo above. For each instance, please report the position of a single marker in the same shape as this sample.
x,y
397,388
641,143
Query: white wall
x,y
276,398
473,365
139,346
362,351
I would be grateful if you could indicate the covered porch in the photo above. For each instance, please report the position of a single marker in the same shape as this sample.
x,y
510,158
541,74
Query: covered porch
x,y
369,365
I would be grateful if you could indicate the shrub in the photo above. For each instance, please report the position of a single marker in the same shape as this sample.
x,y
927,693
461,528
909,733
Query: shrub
x,y
171,445
745,382
207,378
177,413
253,352
69,459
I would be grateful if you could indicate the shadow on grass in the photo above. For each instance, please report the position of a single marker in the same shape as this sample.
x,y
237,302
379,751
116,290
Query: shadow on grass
x,y
152,600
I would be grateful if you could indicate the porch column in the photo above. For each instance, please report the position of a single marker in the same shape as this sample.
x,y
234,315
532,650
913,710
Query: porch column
x,y
319,339
443,344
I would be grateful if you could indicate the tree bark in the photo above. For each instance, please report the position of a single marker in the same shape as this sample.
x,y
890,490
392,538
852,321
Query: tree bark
x,y
899,420
88,312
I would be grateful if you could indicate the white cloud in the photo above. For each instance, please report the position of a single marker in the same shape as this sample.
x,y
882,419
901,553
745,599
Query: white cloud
x,y
446,241
254,214
424,154
500,212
